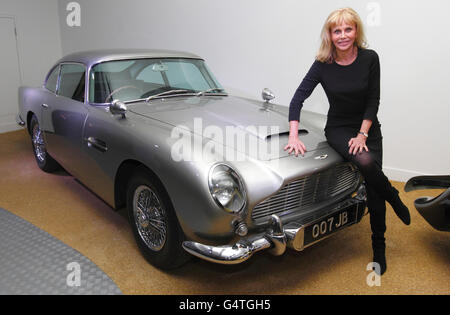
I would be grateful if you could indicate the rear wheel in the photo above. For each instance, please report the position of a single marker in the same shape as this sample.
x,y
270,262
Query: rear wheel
x,y
43,159
154,223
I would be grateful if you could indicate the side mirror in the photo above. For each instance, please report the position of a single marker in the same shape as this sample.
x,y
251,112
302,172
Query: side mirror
x,y
267,95
118,108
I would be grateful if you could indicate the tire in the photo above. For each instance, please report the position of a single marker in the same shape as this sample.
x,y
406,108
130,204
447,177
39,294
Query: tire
x,y
154,223
43,159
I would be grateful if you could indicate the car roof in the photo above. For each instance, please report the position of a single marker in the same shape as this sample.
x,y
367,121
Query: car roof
x,y
93,57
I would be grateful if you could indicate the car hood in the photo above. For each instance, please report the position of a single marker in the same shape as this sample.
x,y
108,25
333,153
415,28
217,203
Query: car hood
x,y
207,116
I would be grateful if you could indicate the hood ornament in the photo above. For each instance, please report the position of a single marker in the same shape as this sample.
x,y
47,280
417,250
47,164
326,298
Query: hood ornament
x,y
267,95
321,157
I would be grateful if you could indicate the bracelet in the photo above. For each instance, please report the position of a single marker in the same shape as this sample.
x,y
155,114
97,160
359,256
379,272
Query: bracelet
x,y
364,134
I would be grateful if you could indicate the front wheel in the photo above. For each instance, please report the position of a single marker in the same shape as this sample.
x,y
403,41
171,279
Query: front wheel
x,y
154,223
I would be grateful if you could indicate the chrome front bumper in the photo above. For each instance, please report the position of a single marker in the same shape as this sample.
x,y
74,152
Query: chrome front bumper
x,y
276,238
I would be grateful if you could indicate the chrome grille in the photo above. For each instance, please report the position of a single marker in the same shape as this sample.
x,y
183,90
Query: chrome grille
x,y
307,191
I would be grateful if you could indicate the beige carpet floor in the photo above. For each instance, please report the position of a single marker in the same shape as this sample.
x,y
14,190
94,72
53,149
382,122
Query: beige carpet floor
x,y
418,257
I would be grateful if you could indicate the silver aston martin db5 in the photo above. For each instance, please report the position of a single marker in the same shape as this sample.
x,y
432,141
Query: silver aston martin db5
x,y
199,171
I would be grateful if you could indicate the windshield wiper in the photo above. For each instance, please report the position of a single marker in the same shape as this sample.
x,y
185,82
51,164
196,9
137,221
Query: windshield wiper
x,y
210,90
166,93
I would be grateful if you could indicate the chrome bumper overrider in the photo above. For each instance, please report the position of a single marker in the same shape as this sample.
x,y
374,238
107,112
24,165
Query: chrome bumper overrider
x,y
276,238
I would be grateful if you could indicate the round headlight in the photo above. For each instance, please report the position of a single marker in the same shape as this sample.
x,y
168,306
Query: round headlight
x,y
226,188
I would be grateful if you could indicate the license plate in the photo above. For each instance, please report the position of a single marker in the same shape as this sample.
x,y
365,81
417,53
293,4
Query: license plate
x,y
330,224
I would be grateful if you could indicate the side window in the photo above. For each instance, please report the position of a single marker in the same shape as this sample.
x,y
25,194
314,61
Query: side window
x,y
71,82
52,80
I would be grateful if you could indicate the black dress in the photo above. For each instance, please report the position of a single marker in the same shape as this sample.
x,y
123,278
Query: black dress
x,y
353,92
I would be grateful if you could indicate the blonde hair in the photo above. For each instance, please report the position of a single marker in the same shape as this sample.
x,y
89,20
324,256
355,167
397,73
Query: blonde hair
x,y
345,15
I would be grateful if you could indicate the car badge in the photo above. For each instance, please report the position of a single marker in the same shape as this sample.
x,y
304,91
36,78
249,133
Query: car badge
x,y
321,157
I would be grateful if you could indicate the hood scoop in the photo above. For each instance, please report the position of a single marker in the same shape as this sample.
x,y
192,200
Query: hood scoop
x,y
301,132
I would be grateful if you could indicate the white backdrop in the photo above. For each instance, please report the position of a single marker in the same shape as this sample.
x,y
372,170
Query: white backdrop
x,y
252,44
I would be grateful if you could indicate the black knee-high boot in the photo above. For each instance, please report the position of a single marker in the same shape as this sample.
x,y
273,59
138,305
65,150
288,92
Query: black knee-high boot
x,y
380,183
377,210
399,207
379,252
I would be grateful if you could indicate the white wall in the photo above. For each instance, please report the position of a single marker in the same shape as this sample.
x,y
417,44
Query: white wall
x,y
38,38
252,44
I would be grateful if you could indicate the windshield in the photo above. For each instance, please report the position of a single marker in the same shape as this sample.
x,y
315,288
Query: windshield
x,y
130,80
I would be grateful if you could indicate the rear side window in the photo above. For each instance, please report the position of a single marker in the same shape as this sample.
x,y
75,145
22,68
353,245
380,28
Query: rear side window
x,y
71,82
52,80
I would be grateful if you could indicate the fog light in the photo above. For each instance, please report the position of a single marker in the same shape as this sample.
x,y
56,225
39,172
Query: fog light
x,y
241,229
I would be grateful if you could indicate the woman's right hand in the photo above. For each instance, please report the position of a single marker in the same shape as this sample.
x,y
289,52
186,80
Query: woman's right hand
x,y
296,145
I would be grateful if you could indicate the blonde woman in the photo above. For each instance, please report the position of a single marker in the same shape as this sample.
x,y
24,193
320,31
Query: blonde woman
x,y
349,73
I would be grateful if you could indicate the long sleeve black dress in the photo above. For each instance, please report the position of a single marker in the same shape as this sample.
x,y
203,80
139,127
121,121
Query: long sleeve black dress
x,y
353,92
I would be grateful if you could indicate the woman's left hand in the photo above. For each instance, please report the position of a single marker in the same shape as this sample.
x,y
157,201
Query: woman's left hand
x,y
357,144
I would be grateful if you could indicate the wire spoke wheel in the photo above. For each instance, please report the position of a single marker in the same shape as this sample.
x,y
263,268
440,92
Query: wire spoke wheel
x,y
38,144
150,217
153,221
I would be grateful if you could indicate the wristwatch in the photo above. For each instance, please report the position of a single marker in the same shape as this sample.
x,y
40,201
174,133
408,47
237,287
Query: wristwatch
x,y
364,134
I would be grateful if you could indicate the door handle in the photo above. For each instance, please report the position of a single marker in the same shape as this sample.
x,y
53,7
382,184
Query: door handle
x,y
96,144
45,105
